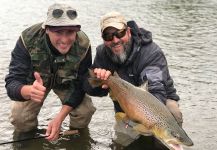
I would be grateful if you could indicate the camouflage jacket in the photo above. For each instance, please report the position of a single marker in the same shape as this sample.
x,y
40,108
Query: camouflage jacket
x,y
34,52
146,61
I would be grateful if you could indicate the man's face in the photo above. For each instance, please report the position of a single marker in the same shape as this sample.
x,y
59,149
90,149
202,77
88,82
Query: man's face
x,y
117,41
62,40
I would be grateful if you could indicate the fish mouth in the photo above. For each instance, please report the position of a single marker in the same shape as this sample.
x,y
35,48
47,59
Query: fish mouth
x,y
189,143
180,138
173,142
180,142
176,146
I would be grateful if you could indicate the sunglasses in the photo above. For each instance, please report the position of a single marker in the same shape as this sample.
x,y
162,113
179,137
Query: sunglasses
x,y
109,36
57,13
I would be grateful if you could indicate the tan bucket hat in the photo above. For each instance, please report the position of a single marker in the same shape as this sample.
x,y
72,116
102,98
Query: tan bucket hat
x,y
61,15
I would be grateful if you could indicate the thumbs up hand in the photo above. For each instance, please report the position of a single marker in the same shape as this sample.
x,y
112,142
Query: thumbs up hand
x,y
38,78
37,91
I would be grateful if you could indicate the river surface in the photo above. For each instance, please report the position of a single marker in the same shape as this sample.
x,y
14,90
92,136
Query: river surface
x,y
186,30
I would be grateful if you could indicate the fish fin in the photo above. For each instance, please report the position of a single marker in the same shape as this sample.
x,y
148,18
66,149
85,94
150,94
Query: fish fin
x,y
111,95
116,74
142,130
144,86
120,116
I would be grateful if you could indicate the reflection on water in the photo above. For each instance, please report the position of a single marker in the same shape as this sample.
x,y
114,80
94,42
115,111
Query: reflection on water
x,y
184,29
81,141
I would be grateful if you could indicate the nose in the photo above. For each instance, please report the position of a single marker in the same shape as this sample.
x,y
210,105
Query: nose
x,y
115,39
64,37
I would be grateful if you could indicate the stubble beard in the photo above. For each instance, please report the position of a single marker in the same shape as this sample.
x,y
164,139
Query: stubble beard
x,y
122,57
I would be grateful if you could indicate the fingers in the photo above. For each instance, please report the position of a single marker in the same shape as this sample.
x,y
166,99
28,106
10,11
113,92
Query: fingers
x,y
38,78
36,97
102,73
38,83
48,131
54,135
37,92
52,132
104,86
173,107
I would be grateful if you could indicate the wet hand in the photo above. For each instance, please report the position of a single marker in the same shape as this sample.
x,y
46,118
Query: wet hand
x,y
173,107
103,75
37,91
53,129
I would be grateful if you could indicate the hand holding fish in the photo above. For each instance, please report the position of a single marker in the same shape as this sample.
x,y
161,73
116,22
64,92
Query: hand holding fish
x,y
152,116
103,75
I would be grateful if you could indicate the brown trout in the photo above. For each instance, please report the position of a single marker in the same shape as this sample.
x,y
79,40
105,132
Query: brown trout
x,y
143,108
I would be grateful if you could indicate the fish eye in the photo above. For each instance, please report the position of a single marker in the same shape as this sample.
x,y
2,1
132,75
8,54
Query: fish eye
x,y
176,135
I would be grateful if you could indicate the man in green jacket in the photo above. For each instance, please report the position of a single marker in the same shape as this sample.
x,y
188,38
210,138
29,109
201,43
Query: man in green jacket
x,y
55,55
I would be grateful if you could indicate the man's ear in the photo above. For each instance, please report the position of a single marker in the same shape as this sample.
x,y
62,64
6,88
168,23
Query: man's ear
x,y
129,32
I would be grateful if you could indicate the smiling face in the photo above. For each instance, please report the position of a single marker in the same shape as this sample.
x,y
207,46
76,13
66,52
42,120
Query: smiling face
x,y
116,44
62,40
118,41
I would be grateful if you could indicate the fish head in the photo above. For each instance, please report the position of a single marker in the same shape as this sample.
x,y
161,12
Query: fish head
x,y
177,137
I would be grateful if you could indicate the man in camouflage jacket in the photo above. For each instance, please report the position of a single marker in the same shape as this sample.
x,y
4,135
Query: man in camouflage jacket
x,y
54,55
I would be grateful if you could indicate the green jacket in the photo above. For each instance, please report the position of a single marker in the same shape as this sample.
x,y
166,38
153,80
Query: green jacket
x,y
58,71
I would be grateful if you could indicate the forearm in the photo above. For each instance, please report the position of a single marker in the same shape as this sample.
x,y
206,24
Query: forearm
x,y
155,71
13,90
171,90
19,69
54,126
65,110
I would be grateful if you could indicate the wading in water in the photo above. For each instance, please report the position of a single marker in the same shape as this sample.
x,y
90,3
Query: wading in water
x,y
130,52
53,55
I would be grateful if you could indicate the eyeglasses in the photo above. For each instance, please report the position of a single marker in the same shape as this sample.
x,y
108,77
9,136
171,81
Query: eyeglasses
x,y
57,13
109,36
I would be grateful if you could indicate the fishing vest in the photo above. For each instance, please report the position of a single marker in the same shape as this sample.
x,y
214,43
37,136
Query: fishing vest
x,y
54,70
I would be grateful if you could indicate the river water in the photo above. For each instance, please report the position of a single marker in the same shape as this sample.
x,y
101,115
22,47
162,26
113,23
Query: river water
x,y
184,29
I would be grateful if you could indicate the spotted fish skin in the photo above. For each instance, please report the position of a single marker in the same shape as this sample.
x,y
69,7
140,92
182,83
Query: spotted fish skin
x,y
142,107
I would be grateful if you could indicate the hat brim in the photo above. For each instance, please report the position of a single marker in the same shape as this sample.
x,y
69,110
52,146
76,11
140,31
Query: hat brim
x,y
61,22
59,28
117,25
